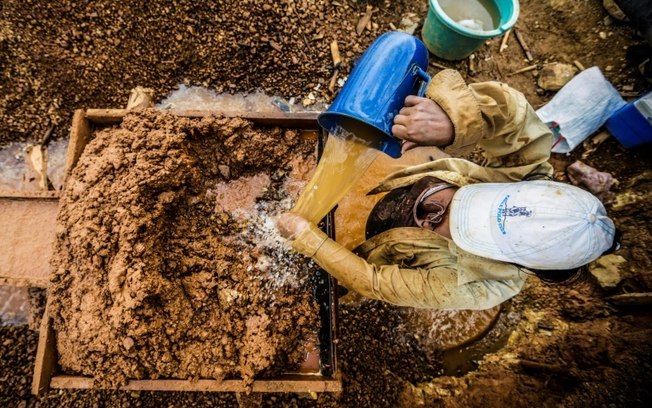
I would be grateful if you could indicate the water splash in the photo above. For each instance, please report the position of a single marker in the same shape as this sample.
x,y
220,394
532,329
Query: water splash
x,y
16,173
196,97
14,306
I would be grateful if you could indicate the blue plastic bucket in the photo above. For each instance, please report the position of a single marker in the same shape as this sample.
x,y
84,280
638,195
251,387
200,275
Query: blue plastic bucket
x,y
393,67
632,124
449,40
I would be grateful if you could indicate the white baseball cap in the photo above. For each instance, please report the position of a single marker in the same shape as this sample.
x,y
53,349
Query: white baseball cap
x,y
536,224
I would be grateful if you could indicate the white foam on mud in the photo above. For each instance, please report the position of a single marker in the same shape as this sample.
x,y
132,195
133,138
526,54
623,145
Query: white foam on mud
x,y
57,162
277,263
15,172
14,305
200,98
12,166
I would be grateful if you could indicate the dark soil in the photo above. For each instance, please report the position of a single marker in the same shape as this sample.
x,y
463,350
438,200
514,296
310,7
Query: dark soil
x,y
154,278
64,55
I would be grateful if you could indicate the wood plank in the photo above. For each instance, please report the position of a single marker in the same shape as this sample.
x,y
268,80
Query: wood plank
x,y
286,383
27,233
80,134
302,120
46,195
44,378
46,355
105,116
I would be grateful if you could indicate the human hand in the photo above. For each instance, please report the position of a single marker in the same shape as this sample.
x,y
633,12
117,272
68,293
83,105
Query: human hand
x,y
421,122
290,224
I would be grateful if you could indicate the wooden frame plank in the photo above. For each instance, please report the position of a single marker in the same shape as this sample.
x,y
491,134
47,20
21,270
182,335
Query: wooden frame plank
x,y
286,383
25,282
21,194
46,356
46,352
26,239
301,120
80,135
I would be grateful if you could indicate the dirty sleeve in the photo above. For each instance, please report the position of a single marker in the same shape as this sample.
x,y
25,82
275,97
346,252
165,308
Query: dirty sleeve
x,y
434,287
496,118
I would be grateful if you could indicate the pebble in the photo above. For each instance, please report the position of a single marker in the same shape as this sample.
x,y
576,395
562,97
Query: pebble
x,y
607,270
225,171
553,77
128,343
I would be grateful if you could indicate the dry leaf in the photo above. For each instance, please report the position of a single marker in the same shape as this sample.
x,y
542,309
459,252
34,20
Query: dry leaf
x,y
364,20
275,45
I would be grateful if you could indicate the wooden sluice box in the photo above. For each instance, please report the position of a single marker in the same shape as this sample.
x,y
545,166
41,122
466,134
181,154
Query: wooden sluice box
x,y
47,373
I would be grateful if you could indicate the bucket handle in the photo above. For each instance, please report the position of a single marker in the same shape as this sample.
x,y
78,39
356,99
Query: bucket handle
x,y
425,79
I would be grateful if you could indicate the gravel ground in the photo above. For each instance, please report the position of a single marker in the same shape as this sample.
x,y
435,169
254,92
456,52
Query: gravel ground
x,y
56,57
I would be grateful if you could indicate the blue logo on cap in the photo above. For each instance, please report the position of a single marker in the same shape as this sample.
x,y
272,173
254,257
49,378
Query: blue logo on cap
x,y
503,212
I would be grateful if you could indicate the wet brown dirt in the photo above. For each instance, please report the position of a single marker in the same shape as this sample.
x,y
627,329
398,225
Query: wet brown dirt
x,y
154,278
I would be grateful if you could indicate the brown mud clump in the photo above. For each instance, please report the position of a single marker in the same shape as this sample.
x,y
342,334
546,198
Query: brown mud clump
x,y
154,276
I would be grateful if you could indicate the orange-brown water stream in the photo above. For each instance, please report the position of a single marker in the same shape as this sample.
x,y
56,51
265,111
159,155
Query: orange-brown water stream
x,y
343,162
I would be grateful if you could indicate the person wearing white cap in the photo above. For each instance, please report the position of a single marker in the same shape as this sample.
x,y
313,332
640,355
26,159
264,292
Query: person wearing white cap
x,y
452,234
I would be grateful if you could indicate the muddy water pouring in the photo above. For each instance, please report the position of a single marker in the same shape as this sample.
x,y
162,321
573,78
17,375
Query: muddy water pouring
x,y
361,118
393,67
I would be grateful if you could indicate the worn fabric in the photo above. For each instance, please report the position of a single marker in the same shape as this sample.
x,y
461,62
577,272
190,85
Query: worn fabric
x,y
419,268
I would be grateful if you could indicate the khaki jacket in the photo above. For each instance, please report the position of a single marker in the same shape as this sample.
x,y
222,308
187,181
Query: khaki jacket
x,y
419,268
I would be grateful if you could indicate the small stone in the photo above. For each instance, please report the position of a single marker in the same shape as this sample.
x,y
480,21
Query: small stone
x,y
613,10
603,35
225,171
409,24
606,270
128,343
553,77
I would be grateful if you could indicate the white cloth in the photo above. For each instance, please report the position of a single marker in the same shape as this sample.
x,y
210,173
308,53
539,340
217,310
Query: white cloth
x,y
580,108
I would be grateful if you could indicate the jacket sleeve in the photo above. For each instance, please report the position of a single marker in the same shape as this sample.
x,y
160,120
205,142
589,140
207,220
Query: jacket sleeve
x,y
422,288
496,118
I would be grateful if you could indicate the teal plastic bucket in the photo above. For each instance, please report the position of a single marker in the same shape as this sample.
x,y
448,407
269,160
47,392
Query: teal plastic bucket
x,y
449,40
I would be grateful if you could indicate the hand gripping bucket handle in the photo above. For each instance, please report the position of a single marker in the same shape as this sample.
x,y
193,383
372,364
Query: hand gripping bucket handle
x,y
425,80
393,67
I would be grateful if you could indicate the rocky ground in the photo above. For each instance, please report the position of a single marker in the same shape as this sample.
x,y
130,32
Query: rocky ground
x,y
564,345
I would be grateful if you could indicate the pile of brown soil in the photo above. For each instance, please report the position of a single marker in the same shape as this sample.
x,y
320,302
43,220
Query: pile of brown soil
x,y
154,278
